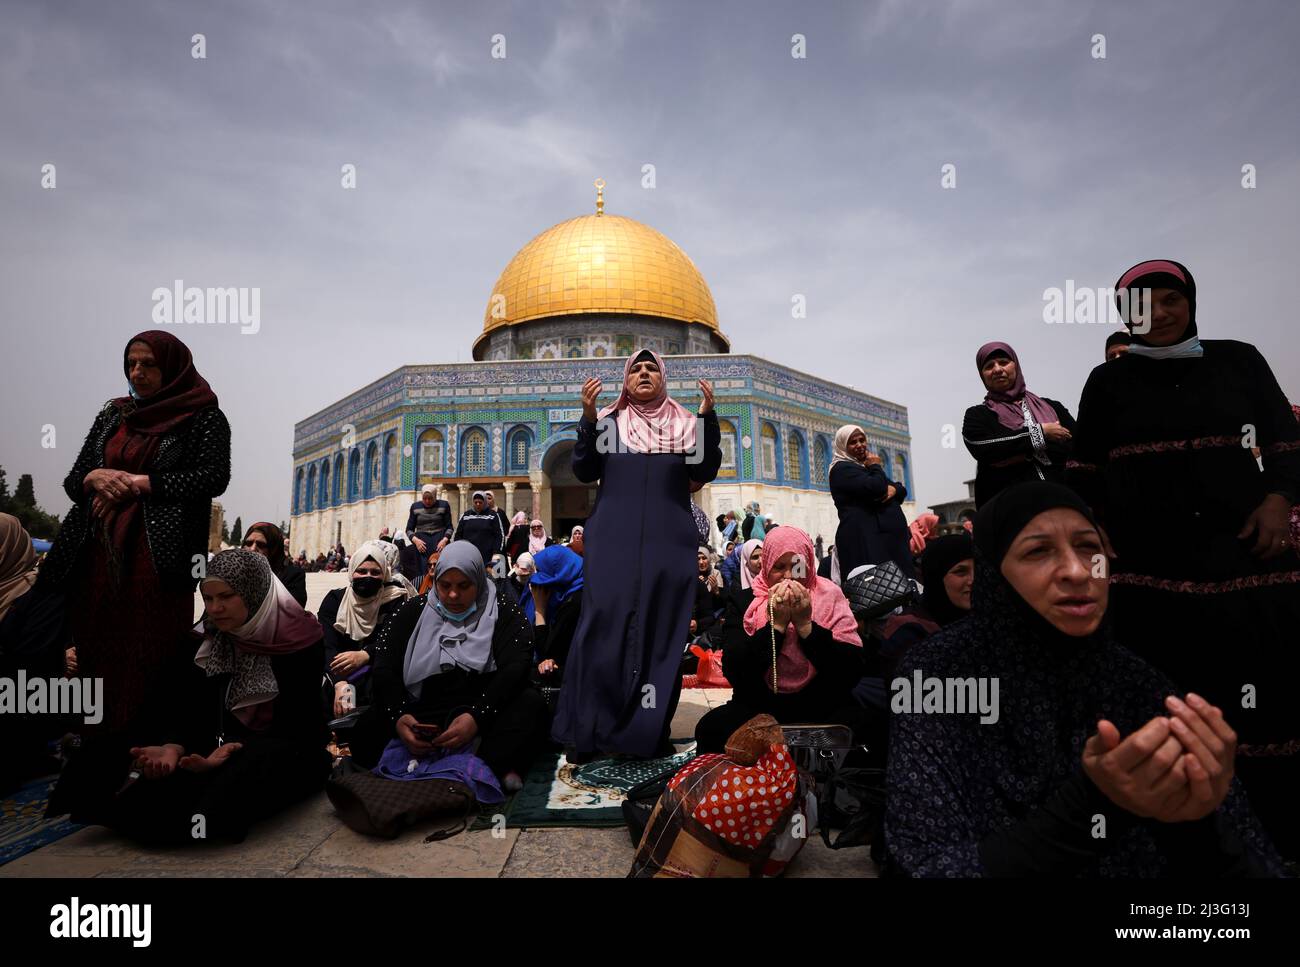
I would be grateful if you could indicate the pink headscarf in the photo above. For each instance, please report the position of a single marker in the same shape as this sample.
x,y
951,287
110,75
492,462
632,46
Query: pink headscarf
x,y
830,608
536,543
660,425
923,528
1007,405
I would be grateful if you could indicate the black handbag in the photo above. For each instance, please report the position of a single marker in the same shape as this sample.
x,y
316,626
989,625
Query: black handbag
x,y
849,799
378,806
877,592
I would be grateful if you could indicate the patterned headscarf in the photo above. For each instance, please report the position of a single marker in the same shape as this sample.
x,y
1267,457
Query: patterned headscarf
x,y
276,625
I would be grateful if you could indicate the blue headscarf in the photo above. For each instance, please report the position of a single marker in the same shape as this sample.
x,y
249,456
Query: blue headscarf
x,y
559,569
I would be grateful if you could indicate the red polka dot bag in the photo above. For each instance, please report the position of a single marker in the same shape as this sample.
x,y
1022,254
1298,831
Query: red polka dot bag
x,y
745,812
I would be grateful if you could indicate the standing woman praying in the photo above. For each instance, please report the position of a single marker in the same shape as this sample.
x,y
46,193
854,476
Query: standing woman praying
x,y
873,528
1014,435
621,683
1212,598
142,487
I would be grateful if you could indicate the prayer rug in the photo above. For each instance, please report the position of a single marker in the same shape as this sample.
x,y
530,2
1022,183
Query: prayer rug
x,y
23,826
558,793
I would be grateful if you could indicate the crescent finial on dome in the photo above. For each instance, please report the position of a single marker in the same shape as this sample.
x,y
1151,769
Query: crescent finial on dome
x,y
600,195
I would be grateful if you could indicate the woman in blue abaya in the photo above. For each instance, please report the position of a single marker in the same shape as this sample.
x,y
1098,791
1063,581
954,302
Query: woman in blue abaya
x,y
622,681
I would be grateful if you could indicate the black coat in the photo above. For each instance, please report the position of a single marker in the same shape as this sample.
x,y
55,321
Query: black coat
x,y
870,532
483,531
191,467
483,695
294,579
336,641
1005,456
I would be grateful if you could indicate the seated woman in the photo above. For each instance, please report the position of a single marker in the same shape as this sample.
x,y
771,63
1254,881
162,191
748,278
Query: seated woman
x,y
1015,796
708,597
236,735
739,594
555,600
32,639
451,667
351,619
801,663
268,540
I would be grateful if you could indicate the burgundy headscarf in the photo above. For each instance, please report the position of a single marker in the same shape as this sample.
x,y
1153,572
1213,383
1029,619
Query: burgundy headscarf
x,y
132,448
1159,274
660,425
1007,405
830,608
184,392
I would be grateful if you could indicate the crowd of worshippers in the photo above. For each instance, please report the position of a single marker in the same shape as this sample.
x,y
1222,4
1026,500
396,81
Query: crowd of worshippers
x,y
1139,673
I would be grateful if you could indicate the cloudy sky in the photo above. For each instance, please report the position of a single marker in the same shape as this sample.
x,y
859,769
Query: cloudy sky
x,y
778,175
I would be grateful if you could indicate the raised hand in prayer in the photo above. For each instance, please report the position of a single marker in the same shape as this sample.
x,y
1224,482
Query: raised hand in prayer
x,y
1270,522
783,599
1142,772
1211,749
590,390
462,730
549,667
706,388
70,661
346,662
156,761
220,755
800,607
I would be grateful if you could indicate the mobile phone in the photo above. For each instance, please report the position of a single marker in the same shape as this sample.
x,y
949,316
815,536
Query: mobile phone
x,y
426,732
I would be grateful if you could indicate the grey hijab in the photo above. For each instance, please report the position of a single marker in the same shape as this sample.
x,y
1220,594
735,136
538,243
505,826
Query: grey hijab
x,y
439,643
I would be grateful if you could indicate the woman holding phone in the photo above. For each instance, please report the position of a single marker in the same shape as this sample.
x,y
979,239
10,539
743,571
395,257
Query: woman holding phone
x,y
451,668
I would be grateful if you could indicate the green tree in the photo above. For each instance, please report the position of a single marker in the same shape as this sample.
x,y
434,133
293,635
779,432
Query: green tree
x,y
5,497
25,495
237,532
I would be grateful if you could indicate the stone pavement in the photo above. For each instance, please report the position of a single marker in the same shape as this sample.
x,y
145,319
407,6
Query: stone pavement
x,y
309,841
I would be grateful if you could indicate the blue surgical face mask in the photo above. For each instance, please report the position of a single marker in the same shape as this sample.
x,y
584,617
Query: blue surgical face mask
x,y
131,389
455,615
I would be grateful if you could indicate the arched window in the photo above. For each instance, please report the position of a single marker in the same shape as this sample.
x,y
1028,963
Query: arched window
x,y
729,467
338,480
354,474
900,471
518,447
323,499
821,460
297,491
372,470
474,452
794,457
311,488
392,464
430,452
767,450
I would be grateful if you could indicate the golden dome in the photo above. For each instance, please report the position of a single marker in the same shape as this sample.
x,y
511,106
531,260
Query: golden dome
x,y
600,264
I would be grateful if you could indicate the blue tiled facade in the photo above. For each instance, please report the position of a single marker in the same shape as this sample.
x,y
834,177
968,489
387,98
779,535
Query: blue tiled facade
x,y
495,415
